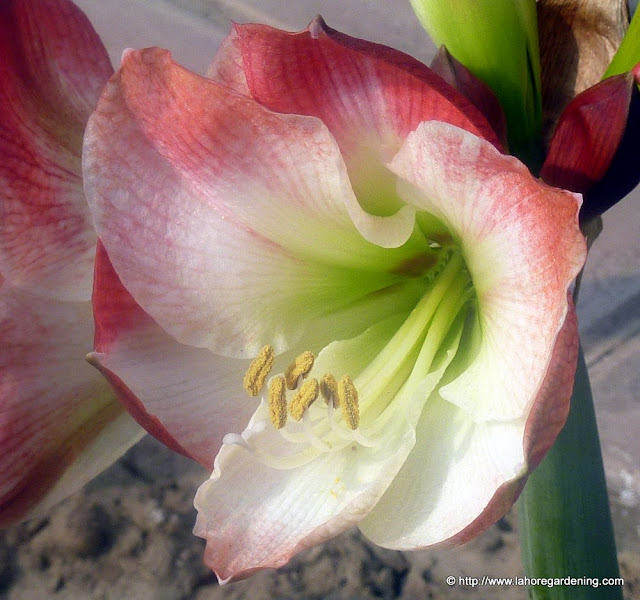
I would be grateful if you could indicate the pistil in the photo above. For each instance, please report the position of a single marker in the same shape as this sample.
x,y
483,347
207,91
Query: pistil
x,y
386,374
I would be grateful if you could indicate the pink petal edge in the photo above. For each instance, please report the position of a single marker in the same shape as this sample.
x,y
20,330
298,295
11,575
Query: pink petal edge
x,y
186,397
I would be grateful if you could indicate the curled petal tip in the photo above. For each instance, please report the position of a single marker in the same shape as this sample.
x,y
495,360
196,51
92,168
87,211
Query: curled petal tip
x,y
478,92
317,27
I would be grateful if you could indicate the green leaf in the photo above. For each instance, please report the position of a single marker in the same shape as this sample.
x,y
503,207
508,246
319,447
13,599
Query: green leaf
x,y
628,55
497,40
564,516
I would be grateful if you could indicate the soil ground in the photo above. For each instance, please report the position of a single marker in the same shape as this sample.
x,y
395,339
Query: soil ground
x,y
127,536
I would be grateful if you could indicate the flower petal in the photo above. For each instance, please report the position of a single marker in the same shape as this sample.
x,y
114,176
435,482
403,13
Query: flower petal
x,y
448,479
353,85
54,408
184,396
462,475
207,211
522,245
254,516
52,69
369,96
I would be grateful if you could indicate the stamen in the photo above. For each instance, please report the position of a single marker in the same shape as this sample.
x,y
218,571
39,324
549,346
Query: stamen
x,y
329,389
348,396
277,462
311,435
305,397
259,370
278,402
299,368
352,435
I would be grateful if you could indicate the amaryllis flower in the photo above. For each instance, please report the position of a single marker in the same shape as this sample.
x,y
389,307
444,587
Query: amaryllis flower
x,y
59,423
321,279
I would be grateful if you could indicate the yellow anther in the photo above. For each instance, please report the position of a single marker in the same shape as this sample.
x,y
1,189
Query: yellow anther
x,y
259,370
278,402
300,367
329,389
348,397
305,397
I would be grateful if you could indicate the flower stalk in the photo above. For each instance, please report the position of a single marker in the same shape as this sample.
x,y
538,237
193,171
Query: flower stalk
x,y
564,517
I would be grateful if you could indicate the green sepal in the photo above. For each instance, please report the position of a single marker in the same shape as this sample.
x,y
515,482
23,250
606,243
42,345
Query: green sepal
x,y
628,54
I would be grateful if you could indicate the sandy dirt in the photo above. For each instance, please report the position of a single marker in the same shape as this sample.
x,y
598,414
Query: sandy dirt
x,y
127,535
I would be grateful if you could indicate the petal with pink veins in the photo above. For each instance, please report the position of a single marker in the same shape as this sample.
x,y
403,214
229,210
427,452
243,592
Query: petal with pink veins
x,y
511,230
353,86
54,406
231,208
350,84
53,67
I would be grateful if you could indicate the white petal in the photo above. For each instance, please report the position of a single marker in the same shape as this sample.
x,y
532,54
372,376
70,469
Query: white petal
x,y
254,516
449,478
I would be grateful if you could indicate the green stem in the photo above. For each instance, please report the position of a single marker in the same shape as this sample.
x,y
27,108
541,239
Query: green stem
x,y
564,516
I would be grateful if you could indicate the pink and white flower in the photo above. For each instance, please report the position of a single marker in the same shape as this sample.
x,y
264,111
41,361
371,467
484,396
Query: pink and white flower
x,y
59,423
325,194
